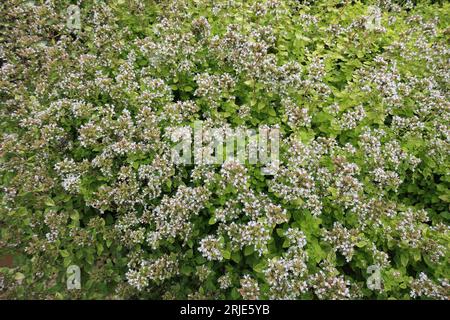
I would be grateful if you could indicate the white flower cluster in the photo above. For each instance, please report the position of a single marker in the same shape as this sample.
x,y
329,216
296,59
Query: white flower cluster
x,y
211,247
343,240
253,233
425,287
249,288
157,270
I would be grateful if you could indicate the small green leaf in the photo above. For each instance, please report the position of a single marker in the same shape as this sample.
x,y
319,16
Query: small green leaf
x,y
19,276
236,257
248,250
49,202
186,270
361,244
75,215
280,232
64,253
99,249
271,111
226,254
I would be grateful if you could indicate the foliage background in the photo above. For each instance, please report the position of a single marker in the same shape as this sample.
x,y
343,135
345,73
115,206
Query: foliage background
x,y
365,155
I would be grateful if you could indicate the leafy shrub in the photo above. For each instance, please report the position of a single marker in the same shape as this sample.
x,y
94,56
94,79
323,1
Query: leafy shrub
x,y
87,176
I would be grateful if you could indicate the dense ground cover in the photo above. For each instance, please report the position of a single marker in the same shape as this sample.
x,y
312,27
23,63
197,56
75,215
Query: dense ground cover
x,y
359,208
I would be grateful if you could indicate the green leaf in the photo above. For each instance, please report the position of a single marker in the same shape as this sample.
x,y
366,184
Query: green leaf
x,y
361,244
75,215
236,256
212,220
271,111
49,202
99,249
67,261
248,250
186,270
64,253
280,232
404,259
226,254
90,259
19,276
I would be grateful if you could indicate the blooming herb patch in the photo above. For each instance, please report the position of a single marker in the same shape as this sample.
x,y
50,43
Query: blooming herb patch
x,y
346,198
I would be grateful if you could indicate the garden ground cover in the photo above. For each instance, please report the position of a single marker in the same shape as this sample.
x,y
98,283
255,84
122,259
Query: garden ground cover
x,y
359,205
